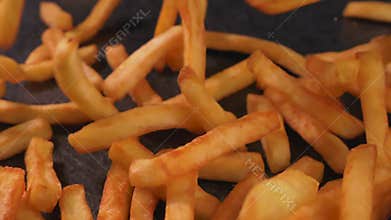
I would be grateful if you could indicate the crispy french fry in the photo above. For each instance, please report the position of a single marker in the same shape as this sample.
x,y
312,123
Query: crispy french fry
x,y
357,199
54,16
11,191
42,193
115,202
39,54
25,211
330,147
143,204
10,18
192,156
132,123
140,63
278,53
275,144
279,6
310,167
67,69
372,10
181,196
15,140
280,196
193,13
73,204
209,111
329,114
94,21
371,80
143,93
94,77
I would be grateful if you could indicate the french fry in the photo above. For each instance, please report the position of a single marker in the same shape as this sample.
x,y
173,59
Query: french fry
x,y
115,202
10,70
54,16
39,54
329,114
372,10
94,21
10,18
94,77
73,204
209,111
51,37
143,93
25,211
371,80
278,6
192,156
11,191
140,63
281,195
357,199
3,88
276,144
132,123
181,196
39,72
15,140
88,53
143,204
310,167
193,13
278,53
67,66
42,193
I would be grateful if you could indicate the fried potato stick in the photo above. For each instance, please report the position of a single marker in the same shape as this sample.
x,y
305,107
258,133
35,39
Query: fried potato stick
x,y
143,204
15,139
279,6
10,17
39,54
372,10
54,16
25,211
310,167
73,204
11,191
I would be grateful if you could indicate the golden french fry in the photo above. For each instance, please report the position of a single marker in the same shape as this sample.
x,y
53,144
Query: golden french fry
x,y
330,147
192,156
193,13
38,72
329,114
143,204
54,16
94,77
51,37
117,192
42,193
143,93
11,191
15,139
310,167
357,199
88,53
371,80
67,69
25,211
279,196
94,21
278,53
39,54
372,10
210,113
279,6
73,204
132,123
181,196
3,88
275,144
10,70
140,63
10,17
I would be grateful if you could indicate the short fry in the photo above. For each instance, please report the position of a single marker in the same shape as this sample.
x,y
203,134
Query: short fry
x,y
54,16
372,10
143,204
279,6
15,140
11,191
73,204
42,193
10,18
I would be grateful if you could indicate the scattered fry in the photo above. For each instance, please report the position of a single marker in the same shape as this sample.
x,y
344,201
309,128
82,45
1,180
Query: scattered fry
x,y
54,16
278,6
73,204
11,191
10,18
372,10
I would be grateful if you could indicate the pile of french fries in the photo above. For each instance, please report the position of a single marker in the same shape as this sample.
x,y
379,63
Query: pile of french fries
x,y
307,100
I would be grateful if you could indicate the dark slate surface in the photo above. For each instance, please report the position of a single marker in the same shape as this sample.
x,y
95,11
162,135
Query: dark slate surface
x,y
315,28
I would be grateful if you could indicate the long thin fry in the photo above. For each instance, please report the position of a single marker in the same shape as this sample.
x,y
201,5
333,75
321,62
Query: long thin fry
x,y
42,193
54,16
279,6
143,204
192,156
38,55
25,211
372,10
11,191
15,140
94,77
73,204
275,144
10,18
140,63
76,86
